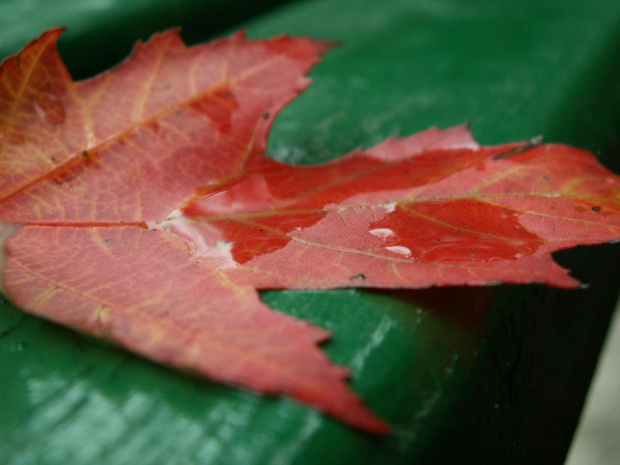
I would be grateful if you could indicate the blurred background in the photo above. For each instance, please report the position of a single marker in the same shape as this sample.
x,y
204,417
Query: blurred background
x,y
597,440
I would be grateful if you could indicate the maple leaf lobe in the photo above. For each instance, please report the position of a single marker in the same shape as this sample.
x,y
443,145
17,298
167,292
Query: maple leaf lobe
x,y
147,124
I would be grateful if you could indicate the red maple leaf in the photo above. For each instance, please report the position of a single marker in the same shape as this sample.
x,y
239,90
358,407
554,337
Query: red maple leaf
x,y
138,206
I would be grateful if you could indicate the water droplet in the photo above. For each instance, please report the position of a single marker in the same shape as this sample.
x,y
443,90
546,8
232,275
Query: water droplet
x,y
390,207
50,109
381,232
400,250
39,111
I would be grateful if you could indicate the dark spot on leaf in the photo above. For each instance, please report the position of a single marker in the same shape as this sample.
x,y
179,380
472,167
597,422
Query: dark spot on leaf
x,y
596,209
266,115
90,156
106,240
546,178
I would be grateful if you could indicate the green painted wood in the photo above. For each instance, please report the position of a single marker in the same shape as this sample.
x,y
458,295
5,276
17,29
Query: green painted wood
x,y
102,32
465,375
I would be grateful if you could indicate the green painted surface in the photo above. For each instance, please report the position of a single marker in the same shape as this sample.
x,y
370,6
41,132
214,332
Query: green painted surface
x,y
459,386
102,32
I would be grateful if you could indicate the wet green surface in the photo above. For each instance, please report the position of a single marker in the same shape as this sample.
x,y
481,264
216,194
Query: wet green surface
x,y
102,32
459,386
